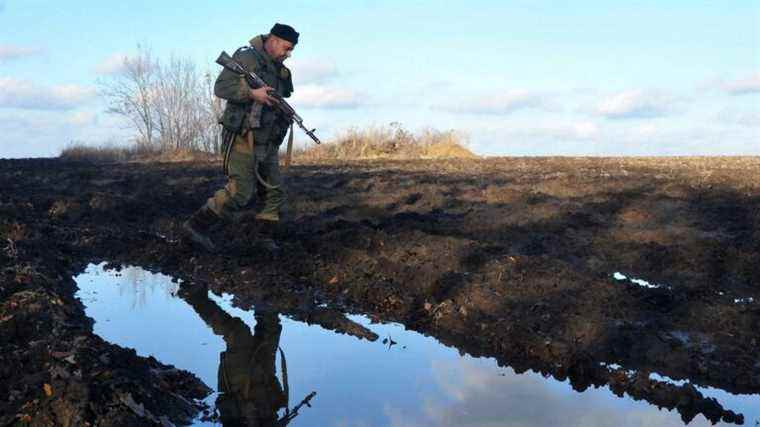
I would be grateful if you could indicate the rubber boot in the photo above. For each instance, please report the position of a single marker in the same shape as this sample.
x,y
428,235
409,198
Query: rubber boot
x,y
197,228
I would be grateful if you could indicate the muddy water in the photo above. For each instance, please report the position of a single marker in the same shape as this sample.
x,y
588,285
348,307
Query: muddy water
x,y
402,379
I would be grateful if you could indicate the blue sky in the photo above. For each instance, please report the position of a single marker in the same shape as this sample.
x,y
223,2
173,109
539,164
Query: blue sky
x,y
517,77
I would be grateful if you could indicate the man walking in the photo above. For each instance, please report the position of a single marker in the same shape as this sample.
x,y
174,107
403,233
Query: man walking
x,y
253,132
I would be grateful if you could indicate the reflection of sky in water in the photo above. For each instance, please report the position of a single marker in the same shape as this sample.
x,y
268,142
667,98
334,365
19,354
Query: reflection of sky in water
x,y
620,277
418,382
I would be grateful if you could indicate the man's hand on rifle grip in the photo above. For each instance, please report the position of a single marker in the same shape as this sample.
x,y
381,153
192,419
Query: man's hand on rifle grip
x,y
261,95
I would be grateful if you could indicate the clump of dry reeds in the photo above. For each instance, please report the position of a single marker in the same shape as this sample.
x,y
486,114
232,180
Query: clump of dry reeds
x,y
388,142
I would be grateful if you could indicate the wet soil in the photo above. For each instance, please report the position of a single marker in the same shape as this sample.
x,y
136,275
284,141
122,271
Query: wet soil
x,y
513,258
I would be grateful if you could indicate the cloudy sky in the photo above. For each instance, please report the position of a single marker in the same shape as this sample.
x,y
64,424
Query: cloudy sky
x,y
532,77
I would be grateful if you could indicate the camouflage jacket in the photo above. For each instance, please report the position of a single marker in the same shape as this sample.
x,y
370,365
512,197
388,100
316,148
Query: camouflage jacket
x,y
241,113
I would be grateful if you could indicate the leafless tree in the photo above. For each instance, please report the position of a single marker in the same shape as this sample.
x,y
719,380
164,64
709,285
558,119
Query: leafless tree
x,y
129,92
175,104
171,105
211,115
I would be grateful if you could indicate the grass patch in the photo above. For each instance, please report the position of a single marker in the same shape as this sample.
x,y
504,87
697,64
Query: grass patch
x,y
135,153
383,142
388,142
103,153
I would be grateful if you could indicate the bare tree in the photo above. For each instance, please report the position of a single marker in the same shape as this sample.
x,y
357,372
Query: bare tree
x,y
175,104
171,106
130,93
209,120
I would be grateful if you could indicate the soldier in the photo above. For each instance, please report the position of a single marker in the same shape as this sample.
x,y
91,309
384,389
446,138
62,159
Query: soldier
x,y
249,392
254,133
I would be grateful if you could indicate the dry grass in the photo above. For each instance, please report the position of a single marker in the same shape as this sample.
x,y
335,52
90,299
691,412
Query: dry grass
x,y
182,155
388,142
135,153
384,142
103,153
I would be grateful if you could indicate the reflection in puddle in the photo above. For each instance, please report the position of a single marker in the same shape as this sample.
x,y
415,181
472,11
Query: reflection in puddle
x,y
620,277
417,382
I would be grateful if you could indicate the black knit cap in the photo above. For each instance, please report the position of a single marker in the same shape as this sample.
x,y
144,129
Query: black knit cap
x,y
285,32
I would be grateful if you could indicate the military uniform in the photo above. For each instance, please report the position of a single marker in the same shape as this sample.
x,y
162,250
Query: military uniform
x,y
256,131
259,130
249,392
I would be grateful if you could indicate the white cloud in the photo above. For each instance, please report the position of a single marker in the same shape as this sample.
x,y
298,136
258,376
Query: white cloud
x,y
314,70
37,133
743,86
10,52
15,93
681,137
747,85
635,104
577,131
746,118
646,130
330,97
502,103
749,120
113,64
82,118
585,130
554,132
473,395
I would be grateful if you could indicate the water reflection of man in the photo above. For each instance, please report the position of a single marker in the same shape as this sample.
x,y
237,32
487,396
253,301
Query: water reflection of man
x,y
250,393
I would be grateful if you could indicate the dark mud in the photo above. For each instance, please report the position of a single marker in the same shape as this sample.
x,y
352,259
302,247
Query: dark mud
x,y
509,258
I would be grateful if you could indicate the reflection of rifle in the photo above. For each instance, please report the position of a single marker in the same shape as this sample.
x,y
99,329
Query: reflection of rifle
x,y
256,82
289,415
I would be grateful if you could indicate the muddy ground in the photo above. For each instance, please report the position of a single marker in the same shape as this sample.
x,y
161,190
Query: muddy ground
x,y
513,258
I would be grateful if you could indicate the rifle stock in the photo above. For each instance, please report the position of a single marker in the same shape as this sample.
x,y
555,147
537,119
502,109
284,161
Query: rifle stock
x,y
224,59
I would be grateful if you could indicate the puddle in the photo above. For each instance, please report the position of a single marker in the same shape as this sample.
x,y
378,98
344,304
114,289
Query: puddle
x,y
416,382
620,277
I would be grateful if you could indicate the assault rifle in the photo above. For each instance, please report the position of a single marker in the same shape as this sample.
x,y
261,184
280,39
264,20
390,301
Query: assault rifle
x,y
256,82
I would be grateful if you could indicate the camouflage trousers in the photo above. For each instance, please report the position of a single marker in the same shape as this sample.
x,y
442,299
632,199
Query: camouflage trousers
x,y
242,186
